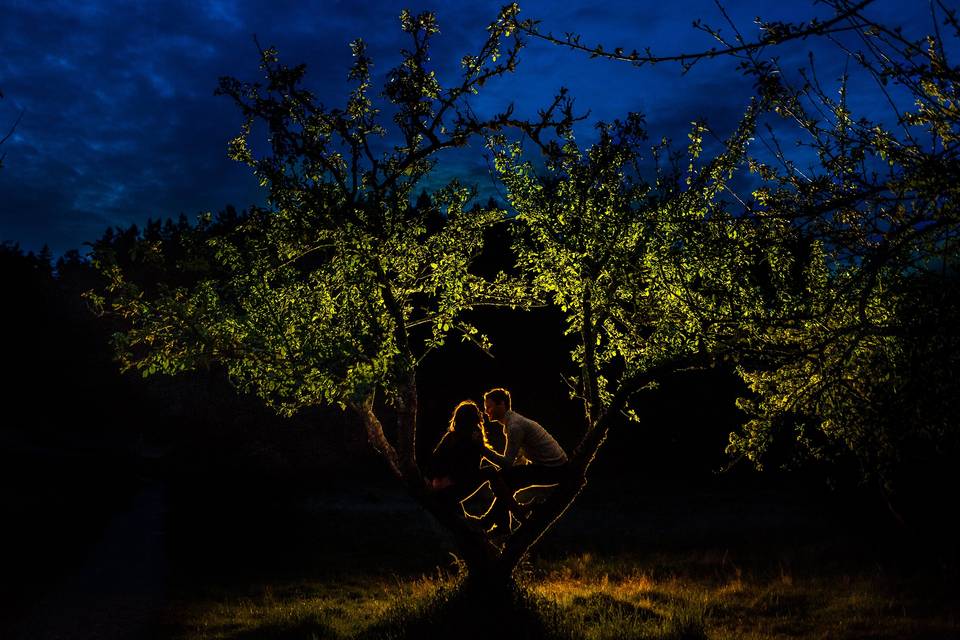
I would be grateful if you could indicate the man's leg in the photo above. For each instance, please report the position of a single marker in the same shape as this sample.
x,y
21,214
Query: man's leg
x,y
527,475
522,476
507,482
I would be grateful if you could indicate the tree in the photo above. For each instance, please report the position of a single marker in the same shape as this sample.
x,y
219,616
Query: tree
x,y
624,258
335,291
840,301
864,372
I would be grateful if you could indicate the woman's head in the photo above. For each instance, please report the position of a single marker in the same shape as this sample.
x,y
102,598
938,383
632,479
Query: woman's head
x,y
466,418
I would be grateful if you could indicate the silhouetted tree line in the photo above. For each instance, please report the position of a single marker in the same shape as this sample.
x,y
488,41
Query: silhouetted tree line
x,y
50,341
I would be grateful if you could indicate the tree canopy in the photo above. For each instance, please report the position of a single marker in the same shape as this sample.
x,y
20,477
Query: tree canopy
x,y
831,282
830,288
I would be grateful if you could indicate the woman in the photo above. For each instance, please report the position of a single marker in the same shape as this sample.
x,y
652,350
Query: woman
x,y
455,471
455,465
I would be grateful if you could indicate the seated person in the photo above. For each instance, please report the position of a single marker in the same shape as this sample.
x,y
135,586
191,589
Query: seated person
x,y
531,457
456,469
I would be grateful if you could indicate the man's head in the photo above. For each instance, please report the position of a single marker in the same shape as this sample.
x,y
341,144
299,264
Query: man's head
x,y
496,403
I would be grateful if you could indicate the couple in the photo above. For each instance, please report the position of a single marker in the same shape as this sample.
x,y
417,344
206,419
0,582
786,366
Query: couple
x,y
531,457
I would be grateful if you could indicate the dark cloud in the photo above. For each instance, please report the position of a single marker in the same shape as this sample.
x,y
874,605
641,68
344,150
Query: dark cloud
x,y
120,122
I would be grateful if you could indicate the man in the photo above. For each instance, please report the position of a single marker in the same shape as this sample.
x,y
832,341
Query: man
x,y
526,439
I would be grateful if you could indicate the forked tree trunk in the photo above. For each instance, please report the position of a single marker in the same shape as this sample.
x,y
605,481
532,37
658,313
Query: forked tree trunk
x,y
490,568
494,572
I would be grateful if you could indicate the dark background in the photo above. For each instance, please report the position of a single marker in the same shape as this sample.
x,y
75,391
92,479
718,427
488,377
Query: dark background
x,y
206,487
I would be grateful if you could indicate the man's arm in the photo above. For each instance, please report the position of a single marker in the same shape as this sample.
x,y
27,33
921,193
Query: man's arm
x,y
514,441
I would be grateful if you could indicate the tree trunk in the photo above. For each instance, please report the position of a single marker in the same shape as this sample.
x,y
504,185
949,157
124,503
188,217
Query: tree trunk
x,y
490,568
407,402
376,438
490,575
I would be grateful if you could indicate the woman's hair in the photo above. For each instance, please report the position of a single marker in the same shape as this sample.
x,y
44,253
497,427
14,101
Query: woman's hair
x,y
466,417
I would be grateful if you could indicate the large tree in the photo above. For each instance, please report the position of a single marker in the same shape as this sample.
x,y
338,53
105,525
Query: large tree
x,y
335,291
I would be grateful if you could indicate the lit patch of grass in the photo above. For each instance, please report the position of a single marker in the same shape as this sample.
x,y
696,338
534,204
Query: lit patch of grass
x,y
318,610
584,597
620,598
592,604
452,611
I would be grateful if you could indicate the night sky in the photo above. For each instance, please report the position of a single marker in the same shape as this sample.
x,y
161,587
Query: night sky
x,y
120,123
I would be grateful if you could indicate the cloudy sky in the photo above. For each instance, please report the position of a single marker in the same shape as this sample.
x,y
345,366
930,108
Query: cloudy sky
x,y
119,122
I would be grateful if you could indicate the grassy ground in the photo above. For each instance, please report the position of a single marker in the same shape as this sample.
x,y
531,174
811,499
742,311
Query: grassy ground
x,y
705,565
227,555
588,598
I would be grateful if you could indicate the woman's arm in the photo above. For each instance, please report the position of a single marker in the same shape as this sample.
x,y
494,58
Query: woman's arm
x,y
492,455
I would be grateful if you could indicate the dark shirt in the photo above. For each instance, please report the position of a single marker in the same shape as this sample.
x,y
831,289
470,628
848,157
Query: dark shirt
x,y
458,457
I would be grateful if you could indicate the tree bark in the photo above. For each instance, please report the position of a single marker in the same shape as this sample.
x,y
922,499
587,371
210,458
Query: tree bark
x,y
376,437
407,403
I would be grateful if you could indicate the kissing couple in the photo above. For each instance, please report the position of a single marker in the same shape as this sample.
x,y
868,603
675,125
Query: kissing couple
x,y
465,459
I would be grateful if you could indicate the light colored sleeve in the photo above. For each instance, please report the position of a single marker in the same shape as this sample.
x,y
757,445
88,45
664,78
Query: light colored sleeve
x,y
514,442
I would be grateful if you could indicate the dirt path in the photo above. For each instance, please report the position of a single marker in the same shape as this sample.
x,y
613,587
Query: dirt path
x,y
120,590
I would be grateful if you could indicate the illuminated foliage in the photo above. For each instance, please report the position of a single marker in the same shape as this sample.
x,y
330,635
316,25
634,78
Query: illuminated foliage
x,y
831,290
334,292
865,372
832,286
632,263
641,260
316,296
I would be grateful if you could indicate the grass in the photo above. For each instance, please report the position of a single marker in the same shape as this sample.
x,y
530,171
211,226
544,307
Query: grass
x,y
582,597
268,562
659,568
322,610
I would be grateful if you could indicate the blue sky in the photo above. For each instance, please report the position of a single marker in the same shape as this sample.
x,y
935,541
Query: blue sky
x,y
120,122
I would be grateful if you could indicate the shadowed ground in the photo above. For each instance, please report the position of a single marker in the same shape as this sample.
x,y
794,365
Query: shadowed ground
x,y
119,590
107,549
